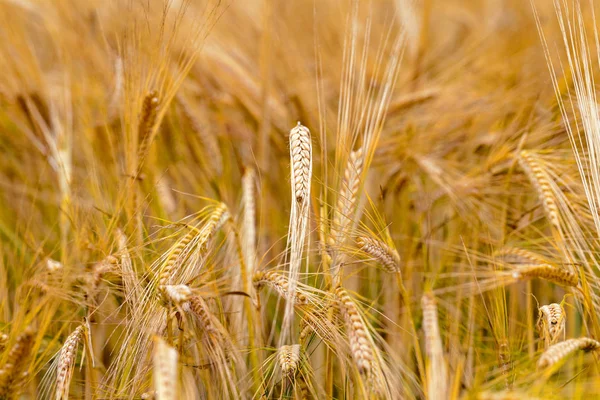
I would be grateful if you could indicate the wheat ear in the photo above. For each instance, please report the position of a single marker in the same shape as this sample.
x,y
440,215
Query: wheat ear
x,y
248,185
547,272
387,257
542,184
146,124
517,255
559,351
165,370
199,239
279,283
176,294
346,200
437,375
13,371
551,323
289,358
66,363
361,349
301,173
301,157
3,341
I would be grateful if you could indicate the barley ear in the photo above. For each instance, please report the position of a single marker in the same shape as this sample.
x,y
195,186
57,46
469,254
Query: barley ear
x,y
559,351
165,370
437,374
13,371
66,363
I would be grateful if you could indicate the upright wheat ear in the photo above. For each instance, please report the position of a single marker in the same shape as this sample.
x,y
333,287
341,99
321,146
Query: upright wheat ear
x,y
146,124
165,370
557,352
248,185
551,323
346,202
387,257
540,180
437,374
547,272
301,172
362,353
66,363
301,158
13,371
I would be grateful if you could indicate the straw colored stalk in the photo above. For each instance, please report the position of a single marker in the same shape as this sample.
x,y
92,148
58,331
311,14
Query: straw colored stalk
x,y
437,374
557,352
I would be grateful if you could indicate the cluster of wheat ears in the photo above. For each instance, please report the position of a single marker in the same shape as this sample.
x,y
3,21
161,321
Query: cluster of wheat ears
x,y
353,199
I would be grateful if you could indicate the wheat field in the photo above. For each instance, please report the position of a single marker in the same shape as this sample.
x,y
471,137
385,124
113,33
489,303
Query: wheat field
x,y
300,199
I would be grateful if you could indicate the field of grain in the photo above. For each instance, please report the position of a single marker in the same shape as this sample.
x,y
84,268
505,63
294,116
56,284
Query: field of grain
x,y
299,199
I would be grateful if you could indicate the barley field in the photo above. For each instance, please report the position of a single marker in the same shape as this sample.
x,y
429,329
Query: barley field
x,y
299,199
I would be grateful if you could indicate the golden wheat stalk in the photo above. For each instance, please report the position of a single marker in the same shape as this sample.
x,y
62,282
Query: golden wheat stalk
x,y
66,363
437,374
360,346
547,272
165,370
279,283
13,371
542,184
551,323
559,351
387,257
